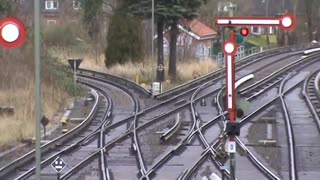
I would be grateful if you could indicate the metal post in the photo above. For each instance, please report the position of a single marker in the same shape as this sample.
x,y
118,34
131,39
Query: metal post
x,y
37,86
44,133
222,172
231,138
230,98
152,45
222,59
75,80
232,114
223,175
58,176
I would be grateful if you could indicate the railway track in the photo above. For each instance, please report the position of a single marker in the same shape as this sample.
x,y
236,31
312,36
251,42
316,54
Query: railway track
x,y
73,151
309,92
137,123
292,161
303,136
271,175
56,144
208,150
97,121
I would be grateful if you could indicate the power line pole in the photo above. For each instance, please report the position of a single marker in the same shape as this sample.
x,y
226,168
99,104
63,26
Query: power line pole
x,y
152,44
37,86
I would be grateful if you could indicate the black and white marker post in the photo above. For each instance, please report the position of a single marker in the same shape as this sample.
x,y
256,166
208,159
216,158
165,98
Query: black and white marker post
x,y
58,165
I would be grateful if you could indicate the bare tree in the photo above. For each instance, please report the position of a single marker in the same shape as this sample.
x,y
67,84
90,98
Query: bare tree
x,y
267,2
308,10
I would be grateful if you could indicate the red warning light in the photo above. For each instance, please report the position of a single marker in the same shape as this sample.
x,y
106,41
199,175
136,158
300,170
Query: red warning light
x,y
12,32
244,31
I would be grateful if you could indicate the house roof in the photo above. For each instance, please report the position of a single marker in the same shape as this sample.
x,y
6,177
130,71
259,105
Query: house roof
x,y
195,29
198,28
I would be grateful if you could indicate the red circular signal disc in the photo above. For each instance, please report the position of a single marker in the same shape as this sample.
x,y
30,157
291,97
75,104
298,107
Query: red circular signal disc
x,y
17,24
244,31
287,22
233,48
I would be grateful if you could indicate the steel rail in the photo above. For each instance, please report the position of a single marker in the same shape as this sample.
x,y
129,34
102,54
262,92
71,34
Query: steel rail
x,y
306,95
203,139
316,86
290,134
202,79
117,79
281,70
206,153
90,158
253,159
167,156
167,135
103,162
135,122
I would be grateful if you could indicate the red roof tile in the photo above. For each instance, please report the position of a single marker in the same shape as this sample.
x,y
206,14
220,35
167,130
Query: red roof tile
x,y
198,28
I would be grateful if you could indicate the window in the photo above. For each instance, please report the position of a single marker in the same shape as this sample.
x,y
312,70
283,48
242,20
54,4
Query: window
x,y
76,4
256,30
51,22
52,4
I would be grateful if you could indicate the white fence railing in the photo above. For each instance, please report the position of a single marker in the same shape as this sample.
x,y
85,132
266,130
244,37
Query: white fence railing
x,y
241,53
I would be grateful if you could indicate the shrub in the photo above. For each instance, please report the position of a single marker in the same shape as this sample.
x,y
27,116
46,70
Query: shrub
x,y
59,35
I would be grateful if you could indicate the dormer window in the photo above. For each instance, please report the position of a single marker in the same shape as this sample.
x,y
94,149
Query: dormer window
x,y
52,5
76,4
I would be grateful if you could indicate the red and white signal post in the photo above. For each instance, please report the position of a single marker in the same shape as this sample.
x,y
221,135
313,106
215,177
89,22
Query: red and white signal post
x,y
230,49
286,22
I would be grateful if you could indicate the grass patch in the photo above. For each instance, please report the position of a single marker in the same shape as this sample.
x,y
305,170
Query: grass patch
x,y
262,40
17,90
22,126
186,70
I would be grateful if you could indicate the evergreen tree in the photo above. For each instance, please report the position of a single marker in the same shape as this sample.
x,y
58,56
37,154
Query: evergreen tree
x,y
125,40
178,10
5,8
